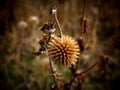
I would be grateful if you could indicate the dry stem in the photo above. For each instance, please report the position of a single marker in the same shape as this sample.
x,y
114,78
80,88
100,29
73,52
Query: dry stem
x,y
89,68
60,30
83,15
52,71
82,26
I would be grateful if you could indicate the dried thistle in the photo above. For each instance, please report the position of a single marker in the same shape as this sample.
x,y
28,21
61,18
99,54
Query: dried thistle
x,y
63,52
43,44
48,28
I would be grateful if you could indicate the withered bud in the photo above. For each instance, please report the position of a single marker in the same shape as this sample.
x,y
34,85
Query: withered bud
x,y
43,44
85,26
81,43
48,28
53,11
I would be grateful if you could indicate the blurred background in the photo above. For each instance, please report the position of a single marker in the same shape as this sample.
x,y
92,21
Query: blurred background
x,y
20,22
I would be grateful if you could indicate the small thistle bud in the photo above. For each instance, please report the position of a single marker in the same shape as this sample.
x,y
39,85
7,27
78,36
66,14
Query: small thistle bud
x,y
63,51
53,11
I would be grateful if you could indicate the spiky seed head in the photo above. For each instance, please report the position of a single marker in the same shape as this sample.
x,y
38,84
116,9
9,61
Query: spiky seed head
x,y
63,51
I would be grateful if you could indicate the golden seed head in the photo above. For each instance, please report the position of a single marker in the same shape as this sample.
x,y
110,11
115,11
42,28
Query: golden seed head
x,y
63,51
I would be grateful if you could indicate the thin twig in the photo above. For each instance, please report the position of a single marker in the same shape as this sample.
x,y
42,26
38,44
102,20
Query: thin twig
x,y
78,62
89,68
60,30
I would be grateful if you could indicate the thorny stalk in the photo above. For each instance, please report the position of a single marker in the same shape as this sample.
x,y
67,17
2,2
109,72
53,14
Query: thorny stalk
x,y
82,27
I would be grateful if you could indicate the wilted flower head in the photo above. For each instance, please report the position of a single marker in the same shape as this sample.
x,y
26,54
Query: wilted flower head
x,y
63,51
48,28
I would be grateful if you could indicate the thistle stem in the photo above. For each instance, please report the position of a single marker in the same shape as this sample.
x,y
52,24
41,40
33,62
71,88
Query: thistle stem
x,y
52,71
83,15
60,30
82,25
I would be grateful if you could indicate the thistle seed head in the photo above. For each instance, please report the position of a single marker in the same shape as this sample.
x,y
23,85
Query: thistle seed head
x,y
63,51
